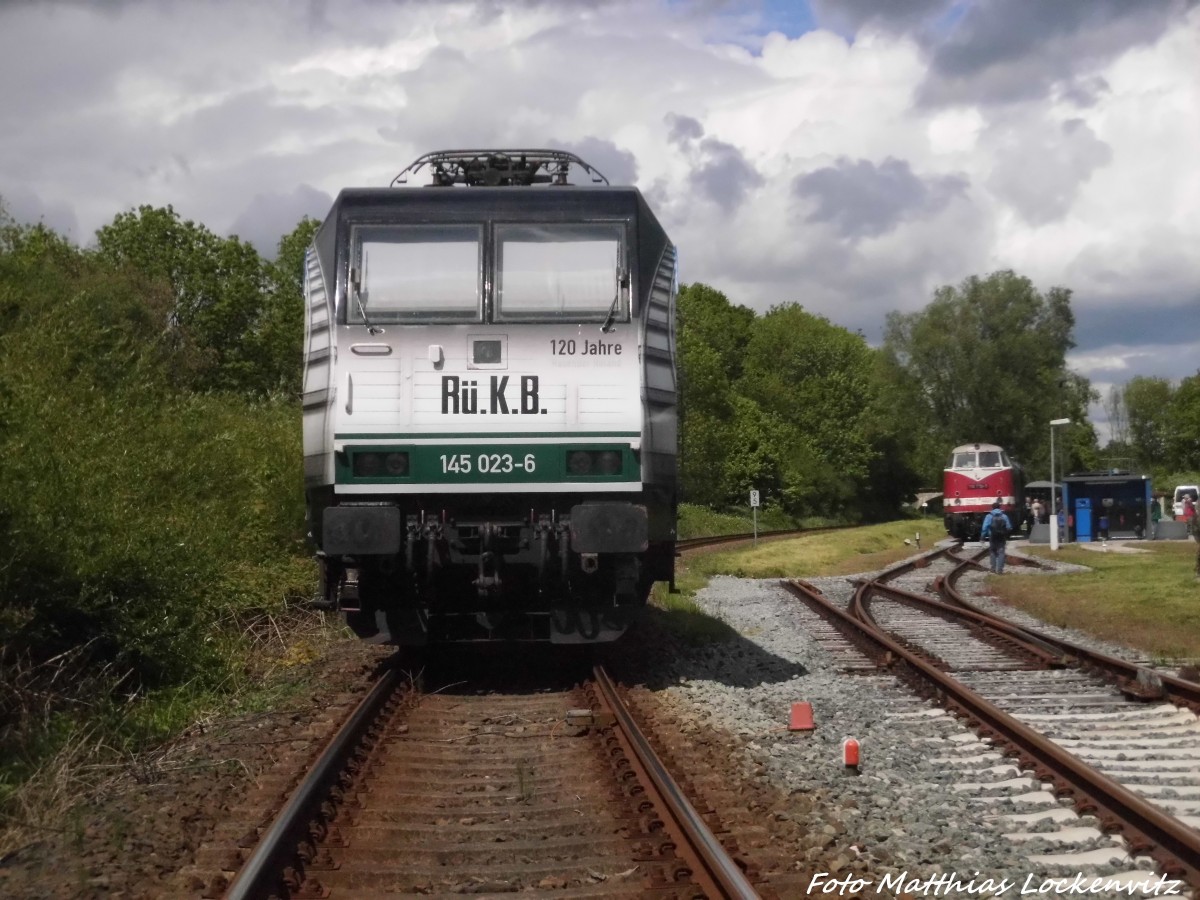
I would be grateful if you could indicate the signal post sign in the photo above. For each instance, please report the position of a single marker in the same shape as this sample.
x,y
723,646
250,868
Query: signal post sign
x,y
754,512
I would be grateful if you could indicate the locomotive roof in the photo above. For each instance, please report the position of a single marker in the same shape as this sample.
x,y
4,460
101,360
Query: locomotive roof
x,y
445,204
965,448
473,184
448,205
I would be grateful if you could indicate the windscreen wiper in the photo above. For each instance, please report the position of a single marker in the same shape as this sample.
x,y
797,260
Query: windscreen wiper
x,y
355,289
622,282
607,327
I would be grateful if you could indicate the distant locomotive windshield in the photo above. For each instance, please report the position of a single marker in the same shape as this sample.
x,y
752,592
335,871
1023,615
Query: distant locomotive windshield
x,y
559,273
982,459
418,273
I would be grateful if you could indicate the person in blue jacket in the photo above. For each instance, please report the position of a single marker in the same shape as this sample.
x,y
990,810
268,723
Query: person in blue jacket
x,y
996,529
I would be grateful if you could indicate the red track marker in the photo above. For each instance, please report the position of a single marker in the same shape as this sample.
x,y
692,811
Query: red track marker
x,y
801,718
850,754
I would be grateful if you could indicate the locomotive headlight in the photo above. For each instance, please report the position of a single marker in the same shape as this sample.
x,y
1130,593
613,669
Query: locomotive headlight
x,y
609,462
396,463
579,462
368,465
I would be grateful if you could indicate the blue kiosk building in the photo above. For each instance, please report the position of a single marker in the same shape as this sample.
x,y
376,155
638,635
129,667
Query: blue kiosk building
x,y
1104,505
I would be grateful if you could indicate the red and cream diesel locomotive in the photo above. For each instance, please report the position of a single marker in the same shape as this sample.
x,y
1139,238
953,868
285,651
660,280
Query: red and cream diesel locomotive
x,y
977,476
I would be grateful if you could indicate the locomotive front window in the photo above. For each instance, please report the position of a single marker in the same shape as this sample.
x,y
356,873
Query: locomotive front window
x,y
963,461
567,273
422,274
989,459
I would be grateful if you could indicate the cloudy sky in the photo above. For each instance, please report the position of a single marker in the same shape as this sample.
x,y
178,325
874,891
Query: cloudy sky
x,y
849,155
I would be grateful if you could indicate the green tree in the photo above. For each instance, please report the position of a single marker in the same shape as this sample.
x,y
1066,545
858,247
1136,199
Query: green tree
x,y
135,517
712,335
900,440
816,380
1118,417
288,268
989,357
791,405
221,290
1147,404
706,411
706,316
280,335
754,450
26,252
1183,423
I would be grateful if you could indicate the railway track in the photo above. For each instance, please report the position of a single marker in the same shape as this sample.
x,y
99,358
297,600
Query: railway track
x,y
477,797
456,792
1118,740
420,776
697,543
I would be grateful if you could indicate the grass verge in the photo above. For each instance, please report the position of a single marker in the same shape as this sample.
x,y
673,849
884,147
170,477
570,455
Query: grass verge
x,y
1149,600
842,552
79,733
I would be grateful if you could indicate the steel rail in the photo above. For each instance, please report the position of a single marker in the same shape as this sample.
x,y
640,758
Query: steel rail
x,y
1027,642
863,639
1173,843
261,875
718,873
716,539
1137,679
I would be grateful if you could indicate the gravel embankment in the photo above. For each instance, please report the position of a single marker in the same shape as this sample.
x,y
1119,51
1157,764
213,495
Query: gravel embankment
x,y
908,809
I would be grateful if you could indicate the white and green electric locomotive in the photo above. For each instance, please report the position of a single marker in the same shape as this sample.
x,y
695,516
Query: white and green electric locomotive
x,y
490,402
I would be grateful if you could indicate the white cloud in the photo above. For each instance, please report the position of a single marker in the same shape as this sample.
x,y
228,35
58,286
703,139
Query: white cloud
x,y
239,114
955,131
1119,362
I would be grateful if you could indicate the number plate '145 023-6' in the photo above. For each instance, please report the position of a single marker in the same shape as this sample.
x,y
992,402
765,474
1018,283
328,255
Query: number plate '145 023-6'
x,y
433,464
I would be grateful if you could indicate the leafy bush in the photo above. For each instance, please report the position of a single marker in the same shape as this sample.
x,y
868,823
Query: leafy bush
x,y
140,523
703,521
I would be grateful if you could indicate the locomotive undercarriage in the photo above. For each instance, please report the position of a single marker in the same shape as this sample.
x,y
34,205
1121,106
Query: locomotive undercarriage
x,y
500,578
964,526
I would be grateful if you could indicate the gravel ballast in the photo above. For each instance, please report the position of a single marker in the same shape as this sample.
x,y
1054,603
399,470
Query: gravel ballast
x,y
912,810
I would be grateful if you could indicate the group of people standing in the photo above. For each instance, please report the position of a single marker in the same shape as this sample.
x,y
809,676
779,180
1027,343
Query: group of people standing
x,y
997,527
1189,514
1037,511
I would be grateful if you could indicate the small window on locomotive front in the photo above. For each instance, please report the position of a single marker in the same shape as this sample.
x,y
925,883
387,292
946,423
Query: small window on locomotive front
x,y
964,460
989,459
426,273
560,273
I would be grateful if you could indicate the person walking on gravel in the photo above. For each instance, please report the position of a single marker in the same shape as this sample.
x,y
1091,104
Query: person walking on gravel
x,y
996,529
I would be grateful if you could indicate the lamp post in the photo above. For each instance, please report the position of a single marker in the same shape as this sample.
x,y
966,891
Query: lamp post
x,y
1054,487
